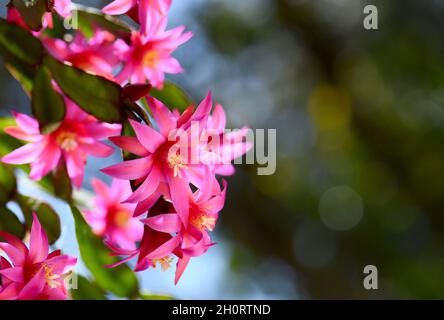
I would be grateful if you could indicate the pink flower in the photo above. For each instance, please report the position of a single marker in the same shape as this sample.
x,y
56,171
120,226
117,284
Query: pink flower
x,y
165,236
95,55
222,147
171,165
77,137
195,240
33,274
147,12
163,167
185,152
149,58
155,248
110,218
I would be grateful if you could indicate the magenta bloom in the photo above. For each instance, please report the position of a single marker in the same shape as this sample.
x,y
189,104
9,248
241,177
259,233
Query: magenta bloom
x,y
185,152
163,168
77,137
165,236
33,274
194,237
110,218
149,58
147,12
221,147
95,55
179,228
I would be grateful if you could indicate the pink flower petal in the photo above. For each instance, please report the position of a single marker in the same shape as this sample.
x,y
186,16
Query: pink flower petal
x,y
9,292
180,268
225,170
34,287
14,241
75,165
162,115
26,154
130,144
165,249
38,244
143,265
168,223
130,170
147,136
180,192
204,108
26,123
18,133
97,149
143,206
120,189
47,161
216,203
147,16
148,187
119,7
100,131
15,255
62,264
171,65
118,263
218,119
15,274
100,188
198,248
56,293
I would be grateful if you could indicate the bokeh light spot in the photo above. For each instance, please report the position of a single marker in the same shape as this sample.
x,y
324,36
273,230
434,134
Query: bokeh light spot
x,y
341,208
330,107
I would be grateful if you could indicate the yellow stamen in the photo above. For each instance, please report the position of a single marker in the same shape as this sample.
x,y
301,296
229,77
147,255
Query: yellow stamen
x,y
67,141
165,262
203,222
150,59
121,219
208,222
52,280
176,163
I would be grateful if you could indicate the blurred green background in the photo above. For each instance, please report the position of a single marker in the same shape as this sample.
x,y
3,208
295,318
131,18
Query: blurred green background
x,y
360,127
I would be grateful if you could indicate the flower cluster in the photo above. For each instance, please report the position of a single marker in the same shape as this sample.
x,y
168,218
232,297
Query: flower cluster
x,y
164,202
148,54
34,273
175,179
95,55
76,137
145,56
148,58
